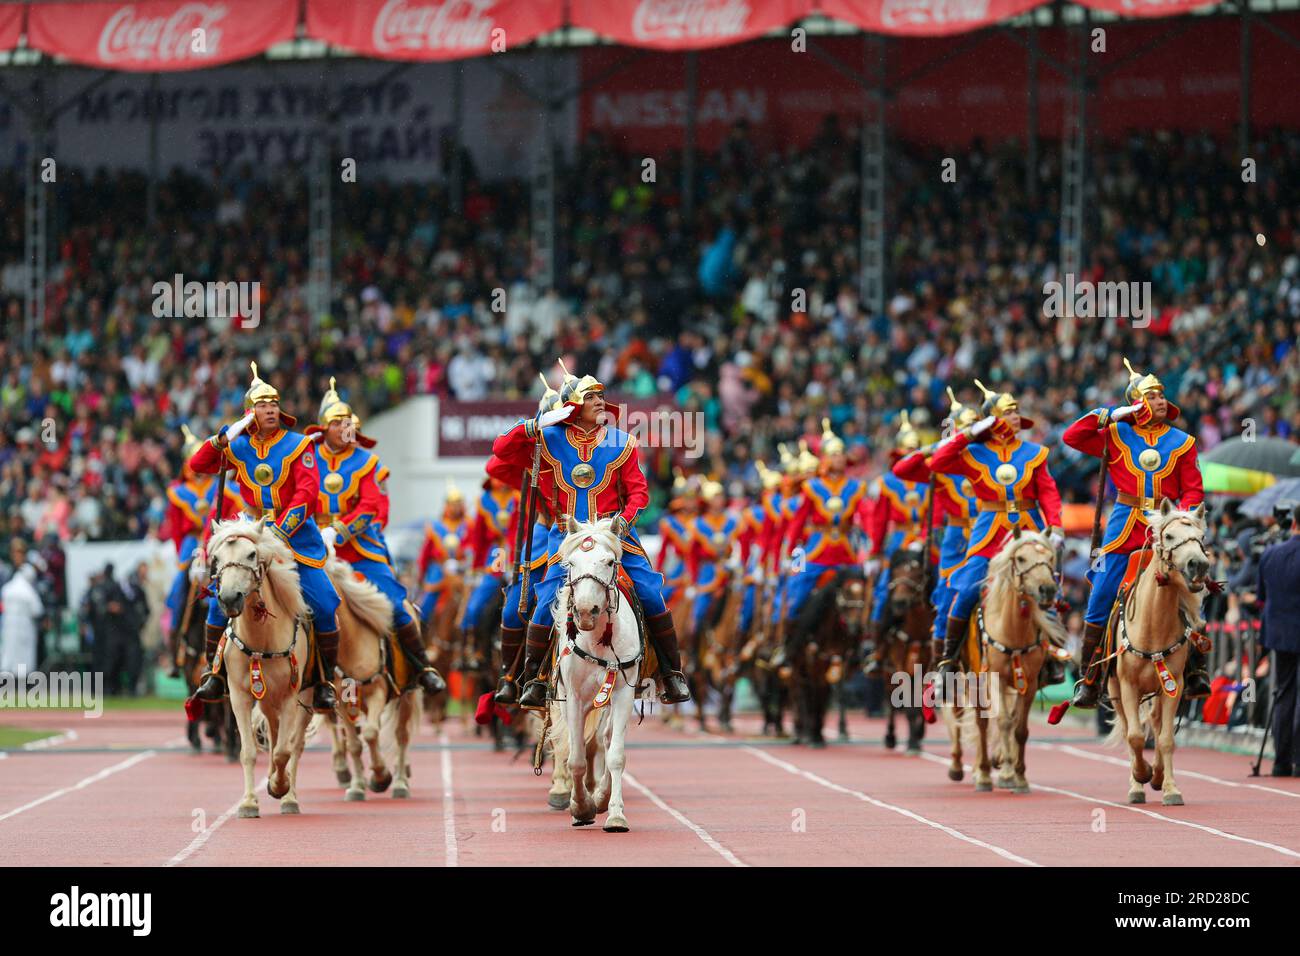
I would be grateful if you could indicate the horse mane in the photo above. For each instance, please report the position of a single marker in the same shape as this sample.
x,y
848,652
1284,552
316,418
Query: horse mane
x,y
363,599
1000,587
281,575
596,529
1156,520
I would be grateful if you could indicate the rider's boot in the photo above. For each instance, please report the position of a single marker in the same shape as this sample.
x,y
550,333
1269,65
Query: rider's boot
x,y
664,637
511,639
408,635
1052,672
954,638
327,647
212,687
874,631
1088,691
1196,682
535,647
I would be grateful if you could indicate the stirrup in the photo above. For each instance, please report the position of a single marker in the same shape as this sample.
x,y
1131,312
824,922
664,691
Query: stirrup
x,y
220,684
533,699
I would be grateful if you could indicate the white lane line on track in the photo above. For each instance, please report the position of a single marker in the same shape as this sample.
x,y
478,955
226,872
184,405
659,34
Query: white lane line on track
x,y
1192,774
681,818
910,814
448,803
81,784
47,742
1213,831
197,843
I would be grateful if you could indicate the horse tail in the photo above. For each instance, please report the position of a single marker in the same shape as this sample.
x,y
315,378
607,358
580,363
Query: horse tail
x,y
1119,732
313,726
558,735
366,602
261,729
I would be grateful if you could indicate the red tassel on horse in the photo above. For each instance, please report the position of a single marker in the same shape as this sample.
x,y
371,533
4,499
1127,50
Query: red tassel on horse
x,y
193,708
1056,713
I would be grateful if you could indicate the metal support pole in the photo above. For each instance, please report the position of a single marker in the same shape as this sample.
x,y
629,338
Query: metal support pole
x,y
1031,133
35,222
871,253
1243,131
151,188
688,147
320,221
456,181
542,199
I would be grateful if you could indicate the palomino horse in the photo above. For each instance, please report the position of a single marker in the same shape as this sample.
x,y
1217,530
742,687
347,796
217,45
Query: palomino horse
x,y
908,648
600,653
365,692
1153,623
255,572
828,627
717,651
1016,631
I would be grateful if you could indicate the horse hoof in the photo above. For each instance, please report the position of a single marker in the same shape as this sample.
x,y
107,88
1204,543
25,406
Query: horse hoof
x,y
380,784
1006,785
248,813
1020,788
983,786
913,750
557,801
584,823
1137,796
352,796
890,742
1172,800
616,825
401,792
289,808
271,790
344,777
818,744
955,774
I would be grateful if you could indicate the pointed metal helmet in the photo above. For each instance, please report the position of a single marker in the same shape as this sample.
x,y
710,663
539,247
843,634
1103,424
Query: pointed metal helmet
x,y
832,444
907,439
1001,404
769,477
453,494
808,462
960,415
260,391
550,398
332,407
789,461
191,443
574,391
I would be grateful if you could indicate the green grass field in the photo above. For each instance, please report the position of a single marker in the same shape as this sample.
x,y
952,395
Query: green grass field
x,y
12,737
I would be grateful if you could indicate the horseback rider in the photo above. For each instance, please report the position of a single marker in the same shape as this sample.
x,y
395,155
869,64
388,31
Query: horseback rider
x,y
512,621
675,538
759,520
713,532
489,541
829,506
1149,461
444,543
275,469
189,504
954,511
1013,490
896,521
353,505
785,502
595,473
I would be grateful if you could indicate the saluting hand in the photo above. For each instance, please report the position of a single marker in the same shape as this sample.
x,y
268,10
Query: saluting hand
x,y
229,433
555,415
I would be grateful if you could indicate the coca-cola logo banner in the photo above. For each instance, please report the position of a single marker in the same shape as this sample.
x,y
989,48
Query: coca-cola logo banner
x,y
431,29
925,17
685,24
157,35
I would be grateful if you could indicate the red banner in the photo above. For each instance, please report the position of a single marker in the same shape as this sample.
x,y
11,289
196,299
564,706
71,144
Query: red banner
x,y
924,17
1148,8
685,24
1191,82
431,29
160,35
11,26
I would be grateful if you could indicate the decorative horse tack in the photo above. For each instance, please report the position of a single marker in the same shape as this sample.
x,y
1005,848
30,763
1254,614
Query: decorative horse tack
x,y
256,684
606,688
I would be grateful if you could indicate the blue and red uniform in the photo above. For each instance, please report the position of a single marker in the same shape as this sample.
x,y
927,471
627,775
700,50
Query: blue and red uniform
x,y
829,507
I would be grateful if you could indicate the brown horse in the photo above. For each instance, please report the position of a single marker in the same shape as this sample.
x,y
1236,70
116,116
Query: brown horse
x,y
908,651
440,637
828,627
718,651
1153,624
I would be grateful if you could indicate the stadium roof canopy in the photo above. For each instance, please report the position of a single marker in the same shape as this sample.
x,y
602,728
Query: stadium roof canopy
x,y
169,35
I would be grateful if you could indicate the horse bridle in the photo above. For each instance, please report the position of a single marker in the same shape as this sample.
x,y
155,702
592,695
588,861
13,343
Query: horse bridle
x,y
1165,556
258,571
1018,576
611,608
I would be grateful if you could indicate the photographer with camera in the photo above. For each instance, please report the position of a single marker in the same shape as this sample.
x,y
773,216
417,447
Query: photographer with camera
x,y
1277,592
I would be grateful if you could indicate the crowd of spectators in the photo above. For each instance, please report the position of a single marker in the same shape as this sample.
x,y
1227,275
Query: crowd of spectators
x,y
741,305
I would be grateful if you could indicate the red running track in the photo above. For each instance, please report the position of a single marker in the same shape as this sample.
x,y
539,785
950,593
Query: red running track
x,y
125,789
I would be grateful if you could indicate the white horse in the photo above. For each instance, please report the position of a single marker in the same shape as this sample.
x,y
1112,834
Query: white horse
x,y
258,589
1017,634
1155,623
597,671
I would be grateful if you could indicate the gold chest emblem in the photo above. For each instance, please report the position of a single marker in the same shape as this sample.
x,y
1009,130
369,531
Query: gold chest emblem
x,y
451,542
263,474
719,539
503,518
834,504
1006,473
201,506
333,482
584,475
1149,459
911,499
